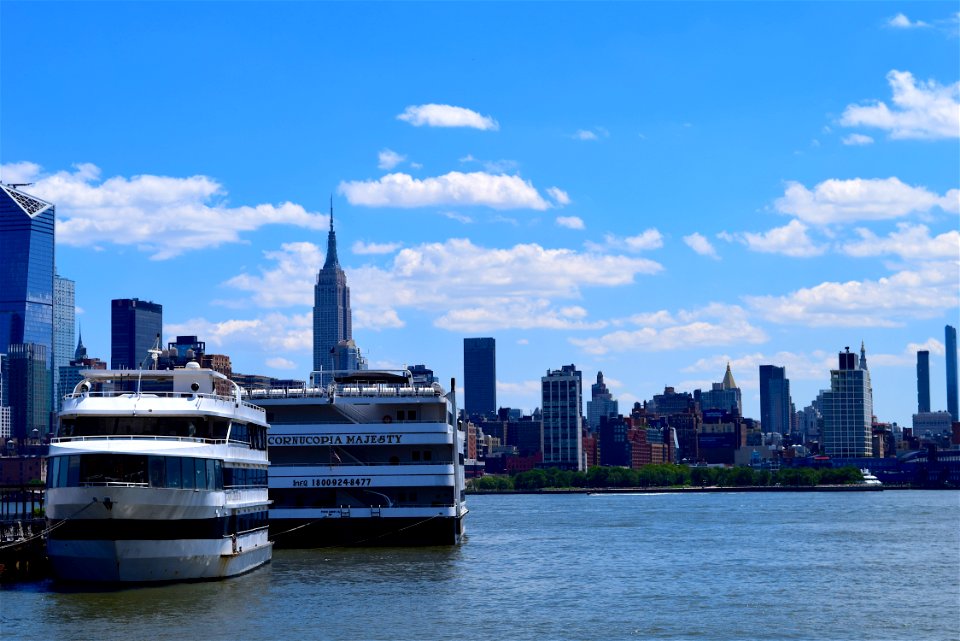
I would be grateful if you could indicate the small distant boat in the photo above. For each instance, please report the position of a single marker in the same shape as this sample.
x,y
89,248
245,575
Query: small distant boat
x,y
868,478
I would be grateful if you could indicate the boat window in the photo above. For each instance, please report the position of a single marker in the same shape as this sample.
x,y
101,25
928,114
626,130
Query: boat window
x,y
200,466
158,468
187,474
219,428
415,455
211,475
173,472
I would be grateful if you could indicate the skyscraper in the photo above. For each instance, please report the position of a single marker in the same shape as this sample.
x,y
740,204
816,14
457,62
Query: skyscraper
x,y
562,400
601,403
331,308
724,395
134,328
847,409
26,303
480,376
923,381
950,333
775,400
64,332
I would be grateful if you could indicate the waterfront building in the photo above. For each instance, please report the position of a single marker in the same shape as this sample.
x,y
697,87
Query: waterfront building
x,y
561,393
27,298
135,327
614,445
775,403
64,332
923,381
332,318
932,425
950,336
480,376
847,409
680,411
69,374
724,395
601,404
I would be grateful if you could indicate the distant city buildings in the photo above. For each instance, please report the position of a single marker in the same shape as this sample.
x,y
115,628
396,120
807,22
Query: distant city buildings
x,y
847,409
950,336
135,327
69,374
562,400
776,406
332,319
601,404
923,381
724,395
480,376
64,332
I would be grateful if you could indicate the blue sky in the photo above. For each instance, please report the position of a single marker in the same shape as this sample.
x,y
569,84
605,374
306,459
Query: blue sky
x,y
651,190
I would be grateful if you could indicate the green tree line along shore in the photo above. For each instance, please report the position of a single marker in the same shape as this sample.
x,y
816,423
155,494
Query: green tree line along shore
x,y
666,475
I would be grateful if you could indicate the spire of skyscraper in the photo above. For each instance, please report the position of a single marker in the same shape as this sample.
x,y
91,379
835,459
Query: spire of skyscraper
x,y
332,322
728,382
863,356
331,260
81,351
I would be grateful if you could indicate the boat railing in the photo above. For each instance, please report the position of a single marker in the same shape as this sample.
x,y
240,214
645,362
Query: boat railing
x,y
112,484
378,390
148,395
335,466
147,437
392,421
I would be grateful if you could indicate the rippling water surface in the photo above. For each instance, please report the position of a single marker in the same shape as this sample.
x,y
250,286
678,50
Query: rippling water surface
x,y
877,565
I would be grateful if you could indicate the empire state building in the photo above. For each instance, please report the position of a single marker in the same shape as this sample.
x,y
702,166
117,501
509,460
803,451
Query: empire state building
x,y
331,308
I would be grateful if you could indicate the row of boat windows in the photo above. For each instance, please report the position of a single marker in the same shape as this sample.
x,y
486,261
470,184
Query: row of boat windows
x,y
358,497
174,472
180,426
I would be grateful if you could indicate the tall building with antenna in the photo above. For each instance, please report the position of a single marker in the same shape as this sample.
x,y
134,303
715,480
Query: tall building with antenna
x,y
134,327
332,322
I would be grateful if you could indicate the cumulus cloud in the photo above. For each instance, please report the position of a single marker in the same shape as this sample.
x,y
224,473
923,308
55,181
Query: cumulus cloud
x,y
433,115
388,159
800,366
900,21
644,241
845,201
452,189
921,110
462,284
279,362
271,333
909,242
716,324
922,292
559,196
360,247
698,243
570,222
857,140
789,240
166,216
595,133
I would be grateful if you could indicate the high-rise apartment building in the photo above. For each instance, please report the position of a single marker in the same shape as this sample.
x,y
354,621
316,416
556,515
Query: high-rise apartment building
x,y
601,404
4,407
724,395
64,332
923,381
950,336
775,403
135,326
332,321
480,376
562,400
26,303
847,409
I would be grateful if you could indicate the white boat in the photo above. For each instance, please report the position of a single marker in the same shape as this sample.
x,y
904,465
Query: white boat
x,y
868,478
167,482
372,459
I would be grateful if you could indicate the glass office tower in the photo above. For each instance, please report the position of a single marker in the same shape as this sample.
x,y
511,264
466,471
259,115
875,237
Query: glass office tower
x,y
480,376
26,304
134,327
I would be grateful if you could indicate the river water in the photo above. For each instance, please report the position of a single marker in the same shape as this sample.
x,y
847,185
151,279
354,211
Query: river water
x,y
864,565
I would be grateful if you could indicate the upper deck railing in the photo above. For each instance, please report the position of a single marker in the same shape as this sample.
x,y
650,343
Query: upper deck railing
x,y
239,402
378,390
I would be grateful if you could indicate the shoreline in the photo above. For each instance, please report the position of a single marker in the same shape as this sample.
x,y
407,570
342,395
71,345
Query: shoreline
x,y
707,490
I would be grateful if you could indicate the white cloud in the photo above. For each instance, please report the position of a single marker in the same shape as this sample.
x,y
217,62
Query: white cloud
x,y
433,115
360,247
388,159
20,172
269,334
164,215
910,242
716,324
701,245
460,218
570,222
522,341
789,240
645,240
452,189
857,140
584,134
846,201
813,366
559,196
924,292
279,362
459,283
931,345
900,21
922,110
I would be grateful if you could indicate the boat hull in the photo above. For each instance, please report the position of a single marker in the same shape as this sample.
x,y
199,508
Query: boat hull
x,y
148,561
366,532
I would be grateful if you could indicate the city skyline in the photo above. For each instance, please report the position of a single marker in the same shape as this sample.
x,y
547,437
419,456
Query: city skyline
x,y
647,190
